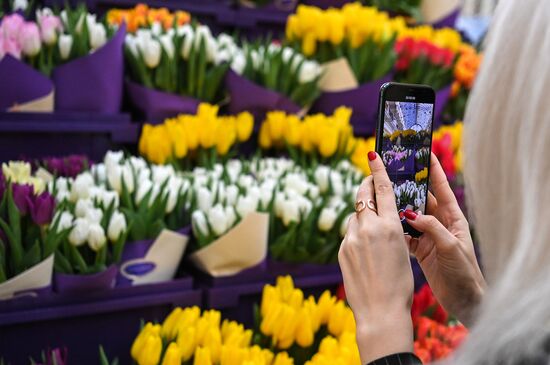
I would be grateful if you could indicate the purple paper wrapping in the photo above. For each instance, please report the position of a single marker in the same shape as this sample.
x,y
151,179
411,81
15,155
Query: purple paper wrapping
x,y
92,83
78,284
448,21
441,98
138,250
248,96
21,83
325,4
155,105
279,268
362,100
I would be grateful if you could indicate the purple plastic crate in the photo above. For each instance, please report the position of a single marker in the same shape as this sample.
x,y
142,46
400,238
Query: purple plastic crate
x,y
34,135
82,323
237,301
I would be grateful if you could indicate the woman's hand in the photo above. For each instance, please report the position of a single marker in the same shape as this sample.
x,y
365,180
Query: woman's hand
x,y
445,251
375,264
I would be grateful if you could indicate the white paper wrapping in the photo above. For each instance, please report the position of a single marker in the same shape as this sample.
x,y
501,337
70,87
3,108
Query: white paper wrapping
x,y
38,276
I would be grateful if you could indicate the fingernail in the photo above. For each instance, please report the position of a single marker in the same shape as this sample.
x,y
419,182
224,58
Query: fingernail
x,y
409,214
372,155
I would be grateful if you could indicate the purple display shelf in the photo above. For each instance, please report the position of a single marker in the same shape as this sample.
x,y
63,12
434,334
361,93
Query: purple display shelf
x,y
34,135
237,301
277,268
204,280
82,322
253,23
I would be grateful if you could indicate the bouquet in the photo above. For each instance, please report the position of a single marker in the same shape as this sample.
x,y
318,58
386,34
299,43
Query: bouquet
x,y
201,139
311,140
281,69
141,16
465,72
29,232
362,35
23,40
91,213
151,197
185,60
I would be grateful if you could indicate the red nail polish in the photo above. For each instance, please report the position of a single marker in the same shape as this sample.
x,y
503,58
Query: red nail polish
x,y
372,155
409,214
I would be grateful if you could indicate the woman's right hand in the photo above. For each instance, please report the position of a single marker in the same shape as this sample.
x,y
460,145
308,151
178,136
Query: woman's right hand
x,y
445,251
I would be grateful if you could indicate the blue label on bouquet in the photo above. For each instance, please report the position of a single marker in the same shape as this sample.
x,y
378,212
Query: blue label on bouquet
x,y
140,268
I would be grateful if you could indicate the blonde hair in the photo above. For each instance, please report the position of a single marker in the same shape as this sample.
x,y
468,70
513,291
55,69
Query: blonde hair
x,y
507,172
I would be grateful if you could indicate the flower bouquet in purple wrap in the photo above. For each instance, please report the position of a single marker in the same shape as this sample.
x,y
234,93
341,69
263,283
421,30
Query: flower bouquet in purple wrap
x,y
29,233
268,77
152,198
356,48
86,259
23,47
171,71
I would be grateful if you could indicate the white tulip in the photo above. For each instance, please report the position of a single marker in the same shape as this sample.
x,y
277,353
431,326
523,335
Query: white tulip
x,y
98,36
175,186
238,63
265,196
321,175
91,21
290,212
226,41
231,195
113,158
144,187
149,48
81,186
62,15
138,163
246,205
297,61
79,233
205,199
309,71
156,29
313,192
218,171
230,216
217,219
234,168
188,39
344,225
198,220
61,184
162,173
144,174
296,182
20,5
117,225
337,183
305,205
61,196
94,215
245,181
131,43
288,53
65,220
96,237
167,43
109,197
279,204
115,175
327,218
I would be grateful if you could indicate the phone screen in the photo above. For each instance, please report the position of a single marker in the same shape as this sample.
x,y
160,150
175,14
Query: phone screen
x,y
405,150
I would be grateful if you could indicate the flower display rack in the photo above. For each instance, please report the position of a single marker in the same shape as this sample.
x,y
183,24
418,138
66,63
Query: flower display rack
x,y
28,135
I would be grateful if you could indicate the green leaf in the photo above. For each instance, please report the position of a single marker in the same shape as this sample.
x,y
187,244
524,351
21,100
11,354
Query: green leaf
x,y
32,256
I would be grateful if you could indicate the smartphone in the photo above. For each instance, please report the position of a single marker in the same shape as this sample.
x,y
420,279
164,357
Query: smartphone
x,y
404,142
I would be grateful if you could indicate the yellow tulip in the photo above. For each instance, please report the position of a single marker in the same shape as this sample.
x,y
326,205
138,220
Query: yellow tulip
x,y
270,295
285,285
264,138
336,318
282,358
329,346
207,111
309,44
169,326
187,342
304,330
225,138
231,355
267,326
172,355
296,299
213,341
293,130
245,125
178,136
285,327
208,133
325,305
192,126
202,357
149,353
349,321
328,144
313,310
16,171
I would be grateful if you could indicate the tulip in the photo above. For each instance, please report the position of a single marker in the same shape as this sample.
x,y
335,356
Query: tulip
x,y
16,171
115,175
117,225
167,43
11,47
238,63
188,35
11,26
230,216
150,49
308,72
172,356
96,237
22,197
290,212
246,205
20,5
344,225
202,356
325,305
151,350
187,342
336,320
49,26
65,221
327,218
217,220
79,233
245,124
282,358
42,208
29,38
98,36
169,329
80,188
199,224
205,199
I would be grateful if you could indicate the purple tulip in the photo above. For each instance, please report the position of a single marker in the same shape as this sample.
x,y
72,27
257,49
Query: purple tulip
x,y
56,356
69,166
42,208
23,197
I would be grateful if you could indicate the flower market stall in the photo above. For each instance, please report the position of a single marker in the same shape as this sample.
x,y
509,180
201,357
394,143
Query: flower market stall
x,y
177,176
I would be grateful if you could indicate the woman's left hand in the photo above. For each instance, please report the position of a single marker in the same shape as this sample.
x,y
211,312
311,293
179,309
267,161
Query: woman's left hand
x,y
375,264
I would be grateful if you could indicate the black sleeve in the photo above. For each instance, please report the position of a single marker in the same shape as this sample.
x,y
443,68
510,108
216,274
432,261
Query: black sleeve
x,y
405,358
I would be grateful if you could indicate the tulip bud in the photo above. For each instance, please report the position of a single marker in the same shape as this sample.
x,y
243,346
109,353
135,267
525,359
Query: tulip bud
x,y
217,220
94,215
246,205
65,220
49,26
29,38
117,226
230,216
96,237
172,356
167,43
98,36
144,187
82,207
198,220
308,72
65,45
290,212
20,5
204,199
81,186
322,174
188,35
150,49
327,218
79,233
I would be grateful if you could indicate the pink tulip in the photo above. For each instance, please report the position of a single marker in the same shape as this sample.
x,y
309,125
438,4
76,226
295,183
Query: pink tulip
x,y
29,39
11,25
11,47
50,25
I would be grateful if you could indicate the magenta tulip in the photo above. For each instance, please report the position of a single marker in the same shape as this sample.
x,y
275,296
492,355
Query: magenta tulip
x,y
23,197
42,208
